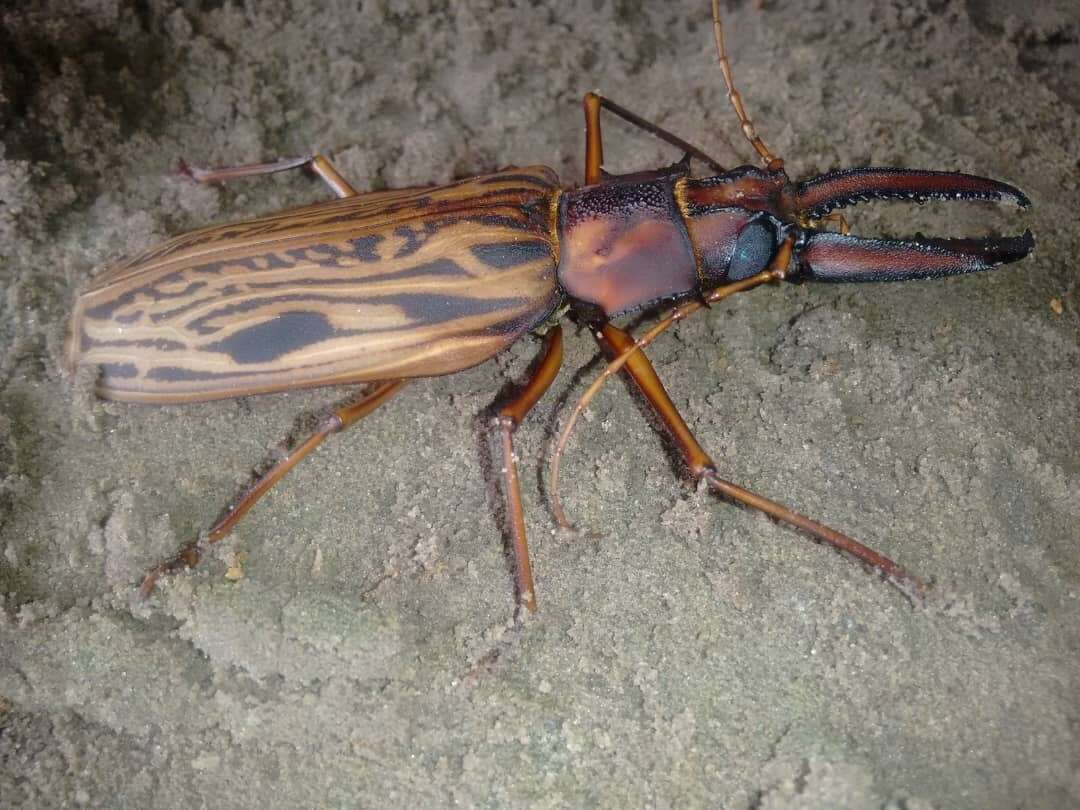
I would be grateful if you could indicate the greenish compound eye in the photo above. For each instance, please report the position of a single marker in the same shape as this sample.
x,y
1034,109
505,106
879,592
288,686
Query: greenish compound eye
x,y
753,250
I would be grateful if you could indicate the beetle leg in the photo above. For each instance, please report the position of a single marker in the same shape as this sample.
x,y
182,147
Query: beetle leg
x,y
506,421
334,422
317,163
701,466
594,149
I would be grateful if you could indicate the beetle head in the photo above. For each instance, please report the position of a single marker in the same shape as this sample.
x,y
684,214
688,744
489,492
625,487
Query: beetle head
x,y
738,220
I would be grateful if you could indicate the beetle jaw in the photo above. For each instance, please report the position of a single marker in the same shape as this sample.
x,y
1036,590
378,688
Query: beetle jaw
x,y
828,256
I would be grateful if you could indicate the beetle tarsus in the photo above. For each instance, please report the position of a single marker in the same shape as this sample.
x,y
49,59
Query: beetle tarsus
x,y
187,557
910,585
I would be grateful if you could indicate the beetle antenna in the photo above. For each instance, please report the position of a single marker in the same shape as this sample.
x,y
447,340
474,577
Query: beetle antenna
x,y
771,161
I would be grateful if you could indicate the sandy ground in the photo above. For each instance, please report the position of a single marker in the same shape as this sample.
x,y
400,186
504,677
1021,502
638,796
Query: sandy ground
x,y
687,653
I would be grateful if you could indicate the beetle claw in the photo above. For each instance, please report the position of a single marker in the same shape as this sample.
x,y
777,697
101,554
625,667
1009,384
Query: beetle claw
x,y
821,195
828,256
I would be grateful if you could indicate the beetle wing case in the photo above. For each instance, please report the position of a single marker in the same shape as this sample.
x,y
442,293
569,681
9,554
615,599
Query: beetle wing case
x,y
407,283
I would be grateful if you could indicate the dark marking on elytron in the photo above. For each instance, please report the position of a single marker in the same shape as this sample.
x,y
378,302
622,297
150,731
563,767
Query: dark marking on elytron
x,y
424,308
286,332
504,255
440,268
130,318
497,221
161,344
275,261
264,261
429,308
365,248
539,214
414,239
454,211
211,268
214,268
501,197
324,255
267,261
180,374
523,322
108,309
158,317
423,205
125,371
359,216
446,209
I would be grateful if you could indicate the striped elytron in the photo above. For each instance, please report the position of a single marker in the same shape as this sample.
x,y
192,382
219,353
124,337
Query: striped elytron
x,y
393,285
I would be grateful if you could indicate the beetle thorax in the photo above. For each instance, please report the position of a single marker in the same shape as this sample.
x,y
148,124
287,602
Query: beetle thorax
x,y
632,241
623,245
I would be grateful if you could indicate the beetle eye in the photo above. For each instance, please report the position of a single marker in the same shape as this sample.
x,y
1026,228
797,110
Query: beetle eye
x,y
753,250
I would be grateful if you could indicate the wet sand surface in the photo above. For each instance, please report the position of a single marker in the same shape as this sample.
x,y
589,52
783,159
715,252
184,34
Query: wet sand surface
x,y
687,653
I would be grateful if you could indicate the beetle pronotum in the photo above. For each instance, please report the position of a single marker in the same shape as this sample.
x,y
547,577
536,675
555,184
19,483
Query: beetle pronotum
x,y
392,285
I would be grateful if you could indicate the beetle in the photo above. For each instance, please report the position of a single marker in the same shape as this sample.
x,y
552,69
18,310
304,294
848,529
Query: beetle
x,y
388,286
